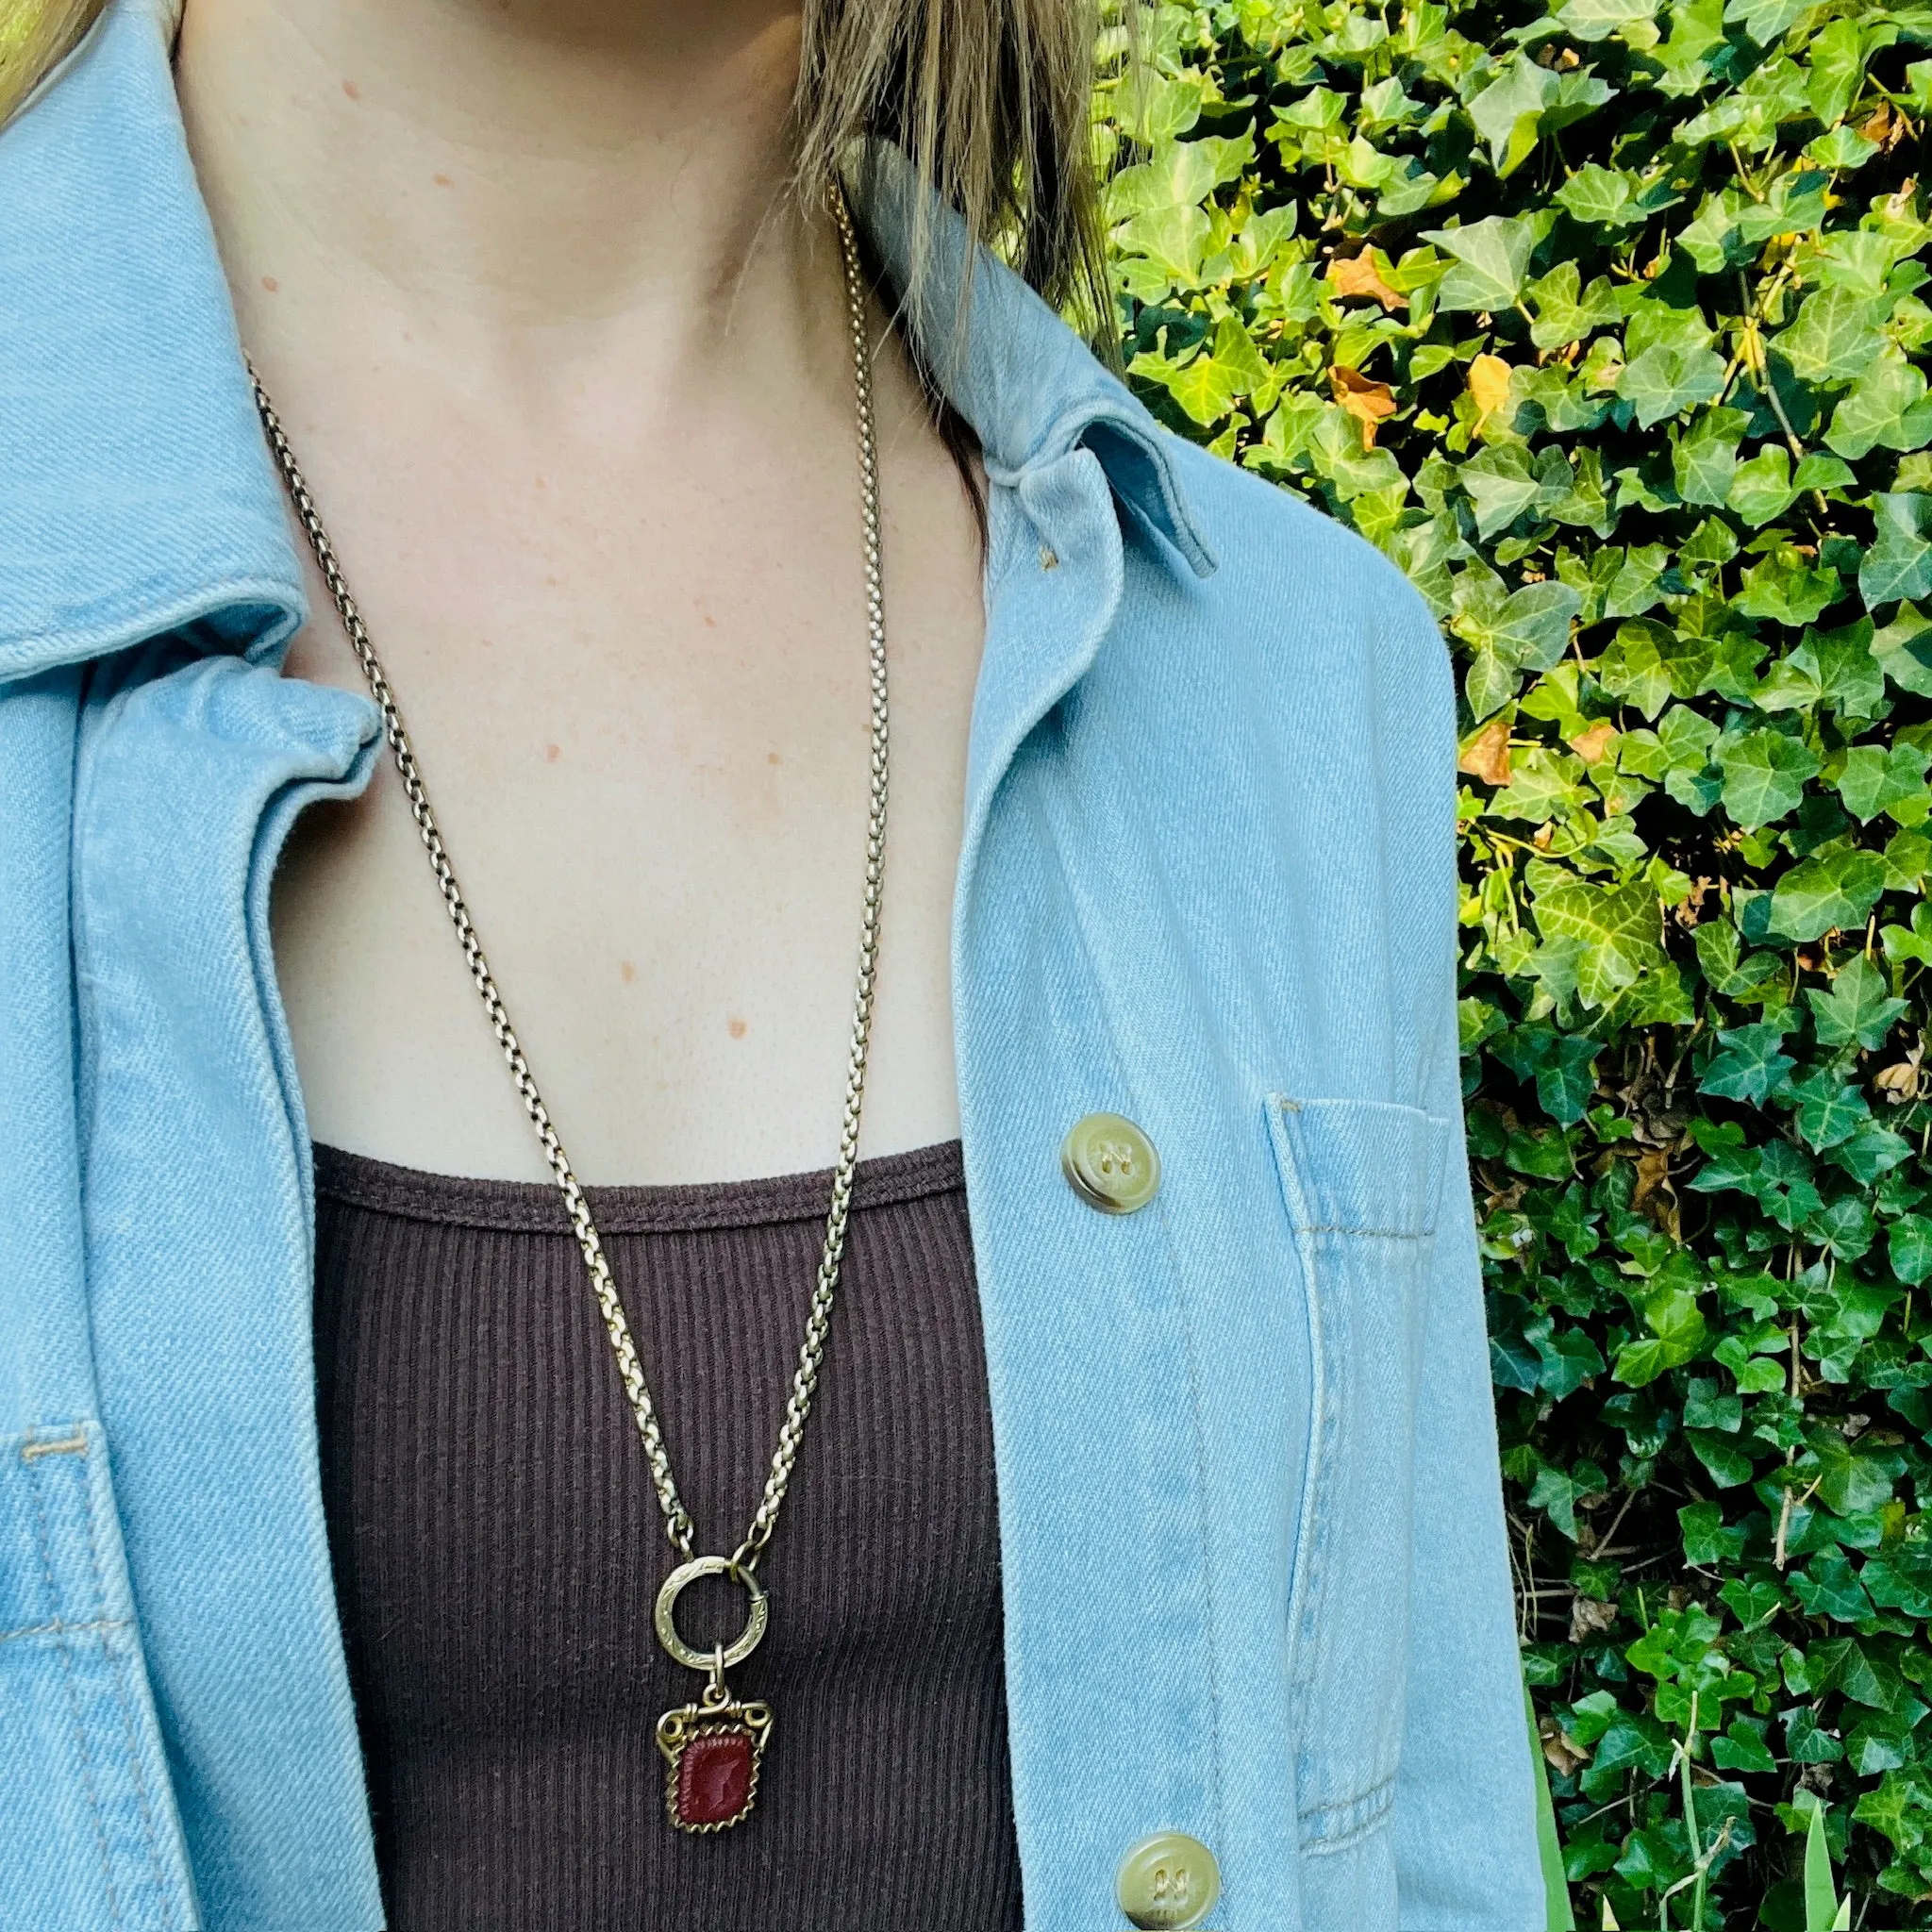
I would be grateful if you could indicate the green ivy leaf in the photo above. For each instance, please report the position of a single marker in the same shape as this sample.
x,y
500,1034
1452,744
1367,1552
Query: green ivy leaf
x,y
1173,240
1886,408
1514,630
1859,1008
1180,174
1765,21
1765,774
1669,378
1877,778
1555,1491
1893,1587
1899,563
1603,197
1509,112
1831,342
1909,1246
1751,1067
1705,462
1785,587
1741,1747
1205,388
1761,489
1492,259
1729,1466
1619,926
1502,485
1597,20
1678,1332
1849,1483
1830,1111
1830,890
1834,667
1903,650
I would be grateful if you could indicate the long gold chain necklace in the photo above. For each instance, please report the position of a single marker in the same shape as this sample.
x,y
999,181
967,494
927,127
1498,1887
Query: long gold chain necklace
x,y
713,1747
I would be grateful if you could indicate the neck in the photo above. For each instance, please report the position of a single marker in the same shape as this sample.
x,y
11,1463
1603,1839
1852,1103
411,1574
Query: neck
x,y
534,183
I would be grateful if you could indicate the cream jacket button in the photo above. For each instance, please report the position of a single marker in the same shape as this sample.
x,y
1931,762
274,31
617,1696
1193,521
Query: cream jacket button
x,y
1168,1881
1110,1163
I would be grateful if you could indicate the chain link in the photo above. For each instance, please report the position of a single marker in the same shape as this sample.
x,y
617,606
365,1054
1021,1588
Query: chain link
x,y
811,1353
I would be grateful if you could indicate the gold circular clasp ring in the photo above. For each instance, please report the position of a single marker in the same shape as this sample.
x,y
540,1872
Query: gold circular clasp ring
x,y
756,1620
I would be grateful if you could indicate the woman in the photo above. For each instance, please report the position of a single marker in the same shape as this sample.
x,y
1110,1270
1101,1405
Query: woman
x,y
1124,1546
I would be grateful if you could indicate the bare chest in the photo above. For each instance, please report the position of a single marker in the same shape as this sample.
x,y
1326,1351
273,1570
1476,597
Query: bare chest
x,y
643,722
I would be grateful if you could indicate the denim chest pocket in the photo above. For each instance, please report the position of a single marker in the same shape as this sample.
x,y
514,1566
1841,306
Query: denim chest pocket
x,y
1361,1180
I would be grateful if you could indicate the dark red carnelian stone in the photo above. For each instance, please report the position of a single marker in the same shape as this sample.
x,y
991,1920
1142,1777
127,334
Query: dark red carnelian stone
x,y
714,1777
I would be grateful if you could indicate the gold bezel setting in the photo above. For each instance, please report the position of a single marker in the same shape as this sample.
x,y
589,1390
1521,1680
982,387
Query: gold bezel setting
x,y
678,1729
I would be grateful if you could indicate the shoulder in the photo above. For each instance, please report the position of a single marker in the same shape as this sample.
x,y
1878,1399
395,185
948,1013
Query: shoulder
x,y
1297,575
1319,628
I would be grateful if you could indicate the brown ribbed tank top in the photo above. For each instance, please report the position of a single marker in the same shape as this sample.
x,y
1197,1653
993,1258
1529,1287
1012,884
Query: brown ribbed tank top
x,y
498,1549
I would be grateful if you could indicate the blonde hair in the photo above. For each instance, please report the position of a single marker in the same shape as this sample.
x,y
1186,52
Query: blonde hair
x,y
989,98
35,36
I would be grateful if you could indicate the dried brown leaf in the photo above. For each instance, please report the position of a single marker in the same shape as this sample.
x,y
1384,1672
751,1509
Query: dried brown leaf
x,y
1898,1082
1366,400
1564,1755
1486,754
1882,129
1652,1174
1592,745
1358,275
1589,1618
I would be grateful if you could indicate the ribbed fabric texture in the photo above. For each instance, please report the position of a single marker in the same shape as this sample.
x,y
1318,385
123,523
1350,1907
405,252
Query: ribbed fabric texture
x,y
498,1551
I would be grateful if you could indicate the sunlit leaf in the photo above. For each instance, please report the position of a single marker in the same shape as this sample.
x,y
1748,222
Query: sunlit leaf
x,y
1492,259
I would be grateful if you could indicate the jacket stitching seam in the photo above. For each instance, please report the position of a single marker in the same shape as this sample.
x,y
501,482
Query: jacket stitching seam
x,y
1386,1234
1307,1554
1343,1841
87,1771
1377,1795
1200,1446
1376,1802
117,1664
60,1627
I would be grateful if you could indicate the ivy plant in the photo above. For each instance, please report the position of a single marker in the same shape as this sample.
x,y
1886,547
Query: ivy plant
x,y
1606,322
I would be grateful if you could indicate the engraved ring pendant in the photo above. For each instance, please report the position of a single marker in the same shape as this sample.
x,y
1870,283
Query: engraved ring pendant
x,y
664,1618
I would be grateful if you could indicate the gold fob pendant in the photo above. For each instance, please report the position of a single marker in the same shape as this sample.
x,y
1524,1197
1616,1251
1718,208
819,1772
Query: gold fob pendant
x,y
713,1747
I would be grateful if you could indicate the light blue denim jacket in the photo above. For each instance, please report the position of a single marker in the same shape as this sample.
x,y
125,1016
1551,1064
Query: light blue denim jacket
x,y
1254,1561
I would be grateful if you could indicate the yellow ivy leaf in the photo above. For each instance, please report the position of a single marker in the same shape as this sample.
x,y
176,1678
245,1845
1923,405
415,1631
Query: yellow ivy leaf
x,y
1369,402
1358,275
1488,384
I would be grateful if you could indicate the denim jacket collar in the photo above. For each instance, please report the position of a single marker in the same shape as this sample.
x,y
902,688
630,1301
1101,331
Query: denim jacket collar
x,y
140,498
136,493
